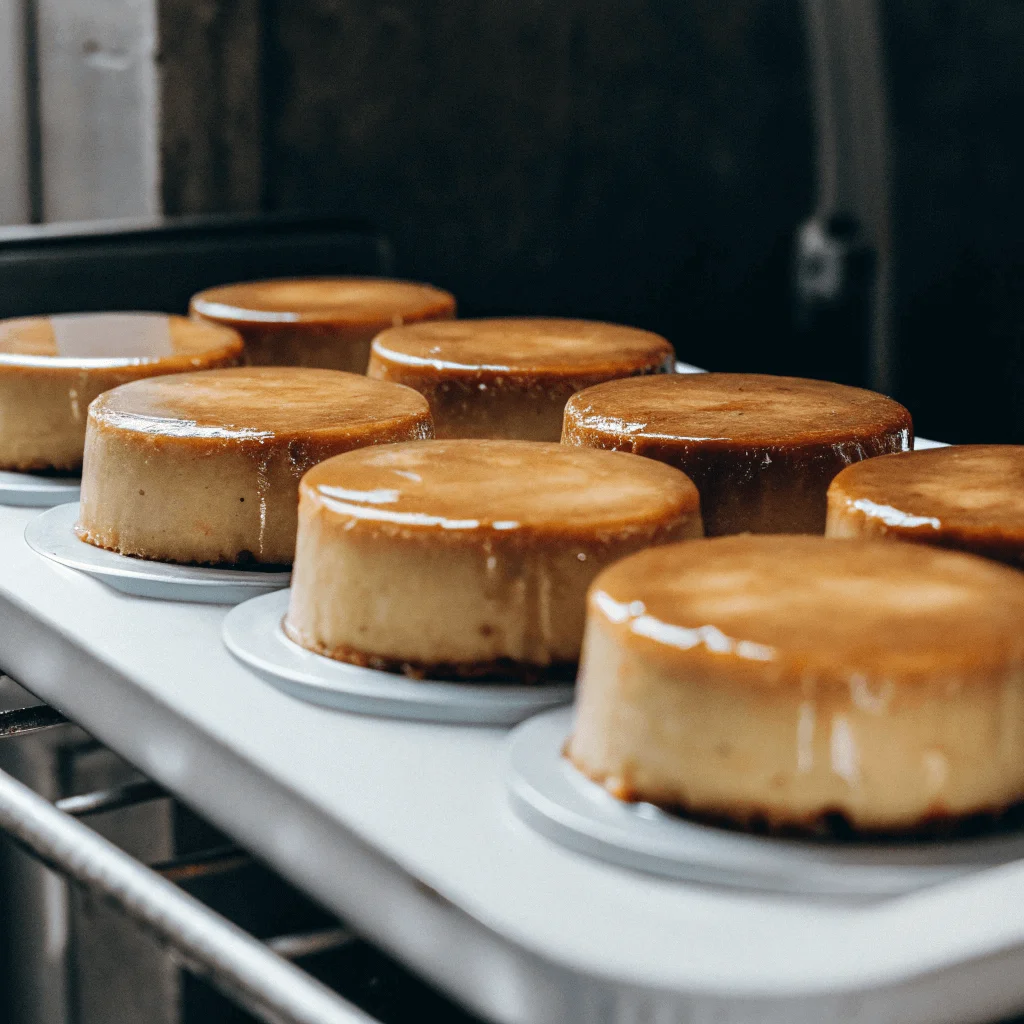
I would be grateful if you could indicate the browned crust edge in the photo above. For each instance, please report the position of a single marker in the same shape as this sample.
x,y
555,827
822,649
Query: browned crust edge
x,y
243,560
43,467
828,824
494,670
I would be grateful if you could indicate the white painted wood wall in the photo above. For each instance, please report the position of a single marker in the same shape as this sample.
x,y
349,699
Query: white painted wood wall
x,y
79,110
15,203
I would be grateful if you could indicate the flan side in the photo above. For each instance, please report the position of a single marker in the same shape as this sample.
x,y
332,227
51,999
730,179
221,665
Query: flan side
x,y
470,559
806,684
205,470
967,497
509,378
326,323
45,389
762,450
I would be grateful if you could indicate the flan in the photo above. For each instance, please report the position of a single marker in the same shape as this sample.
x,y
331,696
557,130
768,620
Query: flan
x,y
52,367
325,322
510,378
762,450
808,684
204,468
969,497
470,559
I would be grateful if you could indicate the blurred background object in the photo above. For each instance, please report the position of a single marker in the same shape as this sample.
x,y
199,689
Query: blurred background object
x,y
643,161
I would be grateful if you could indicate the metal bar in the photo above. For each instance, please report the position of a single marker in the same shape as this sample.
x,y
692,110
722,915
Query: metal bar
x,y
295,947
211,947
219,861
112,799
25,720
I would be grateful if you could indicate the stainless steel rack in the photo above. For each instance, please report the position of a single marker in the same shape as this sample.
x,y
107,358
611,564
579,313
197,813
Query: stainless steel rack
x,y
258,976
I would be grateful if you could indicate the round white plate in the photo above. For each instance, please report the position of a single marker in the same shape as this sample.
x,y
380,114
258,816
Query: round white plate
x,y
922,443
51,533
687,368
252,633
37,491
562,804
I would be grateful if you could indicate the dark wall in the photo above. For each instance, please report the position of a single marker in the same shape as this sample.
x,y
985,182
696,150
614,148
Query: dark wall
x,y
957,87
640,160
211,57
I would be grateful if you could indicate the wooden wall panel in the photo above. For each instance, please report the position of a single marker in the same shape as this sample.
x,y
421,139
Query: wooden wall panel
x,y
148,107
639,160
210,116
643,160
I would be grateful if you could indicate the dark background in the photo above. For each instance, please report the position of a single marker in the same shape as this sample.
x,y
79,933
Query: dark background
x,y
645,161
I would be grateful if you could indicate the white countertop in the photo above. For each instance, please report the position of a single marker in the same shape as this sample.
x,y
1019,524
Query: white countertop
x,y
508,921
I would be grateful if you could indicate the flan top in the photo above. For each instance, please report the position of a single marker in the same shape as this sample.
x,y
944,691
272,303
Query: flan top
x,y
263,404
521,346
348,301
83,341
466,490
730,410
965,496
797,612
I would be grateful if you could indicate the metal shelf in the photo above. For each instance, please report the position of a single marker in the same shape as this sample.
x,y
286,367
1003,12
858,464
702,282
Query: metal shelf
x,y
258,976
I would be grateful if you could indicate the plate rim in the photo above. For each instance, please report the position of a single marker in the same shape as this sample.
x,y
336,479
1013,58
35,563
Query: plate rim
x,y
858,879
32,490
346,684
105,565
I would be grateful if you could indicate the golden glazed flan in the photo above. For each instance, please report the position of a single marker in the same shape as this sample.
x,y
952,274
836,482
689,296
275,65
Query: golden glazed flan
x,y
806,683
969,497
510,378
52,367
204,468
762,450
325,322
470,559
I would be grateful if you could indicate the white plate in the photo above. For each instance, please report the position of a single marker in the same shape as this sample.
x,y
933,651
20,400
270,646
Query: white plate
x,y
922,443
688,368
37,491
52,535
562,804
252,633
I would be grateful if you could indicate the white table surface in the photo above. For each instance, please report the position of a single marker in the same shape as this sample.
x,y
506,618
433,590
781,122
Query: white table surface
x,y
445,876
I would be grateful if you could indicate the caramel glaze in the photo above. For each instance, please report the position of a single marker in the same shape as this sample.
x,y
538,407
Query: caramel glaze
x,y
269,425
505,492
51,368
893,651
97,341
470,559
969,497
310,412
511,377
810,613
519,348
327,322
761,450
